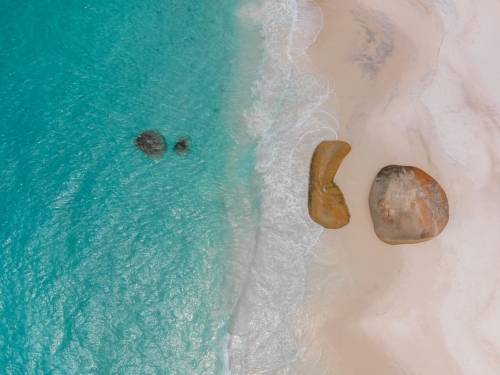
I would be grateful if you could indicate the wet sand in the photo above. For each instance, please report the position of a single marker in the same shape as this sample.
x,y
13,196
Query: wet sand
x,y
410,94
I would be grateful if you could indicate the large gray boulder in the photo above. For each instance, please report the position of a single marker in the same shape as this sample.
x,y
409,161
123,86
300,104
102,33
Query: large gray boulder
x,y
407,205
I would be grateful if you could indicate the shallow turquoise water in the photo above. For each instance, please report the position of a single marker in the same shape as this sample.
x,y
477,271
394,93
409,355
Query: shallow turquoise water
x,y
113,263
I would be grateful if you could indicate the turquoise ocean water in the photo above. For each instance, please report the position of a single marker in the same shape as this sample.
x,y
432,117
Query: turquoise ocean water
x,y
113,263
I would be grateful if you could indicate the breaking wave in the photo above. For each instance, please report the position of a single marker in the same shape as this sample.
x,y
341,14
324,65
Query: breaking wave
x,y
272,333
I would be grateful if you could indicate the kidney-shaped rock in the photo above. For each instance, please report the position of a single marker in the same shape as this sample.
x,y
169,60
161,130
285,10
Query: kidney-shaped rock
x,y
407,205
327,205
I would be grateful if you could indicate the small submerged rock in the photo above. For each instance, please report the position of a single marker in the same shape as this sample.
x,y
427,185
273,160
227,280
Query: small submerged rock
x,y
182,146
326,203
151,143
407,205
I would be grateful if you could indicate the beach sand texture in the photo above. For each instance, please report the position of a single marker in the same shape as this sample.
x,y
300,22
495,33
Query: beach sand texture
x,y
418,84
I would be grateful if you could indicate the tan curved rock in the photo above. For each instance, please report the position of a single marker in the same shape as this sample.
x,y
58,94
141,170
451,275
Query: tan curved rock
x,y
327,205
407,205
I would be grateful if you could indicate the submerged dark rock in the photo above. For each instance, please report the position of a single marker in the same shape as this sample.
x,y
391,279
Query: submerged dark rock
x,y
151,143
182,146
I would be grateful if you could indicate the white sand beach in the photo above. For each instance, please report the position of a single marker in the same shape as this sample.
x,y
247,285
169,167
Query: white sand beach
x,y
418,83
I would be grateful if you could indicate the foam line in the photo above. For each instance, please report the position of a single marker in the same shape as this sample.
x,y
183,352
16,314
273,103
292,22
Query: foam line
x,y
270,324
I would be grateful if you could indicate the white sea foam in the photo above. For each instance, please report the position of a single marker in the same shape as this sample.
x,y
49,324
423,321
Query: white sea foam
x,y
226,370
270,323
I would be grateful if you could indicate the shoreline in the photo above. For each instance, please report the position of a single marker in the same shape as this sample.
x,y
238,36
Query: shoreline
x,y
268,324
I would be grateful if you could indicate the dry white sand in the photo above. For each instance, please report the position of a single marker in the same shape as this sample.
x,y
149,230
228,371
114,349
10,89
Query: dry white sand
x,y
418,83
